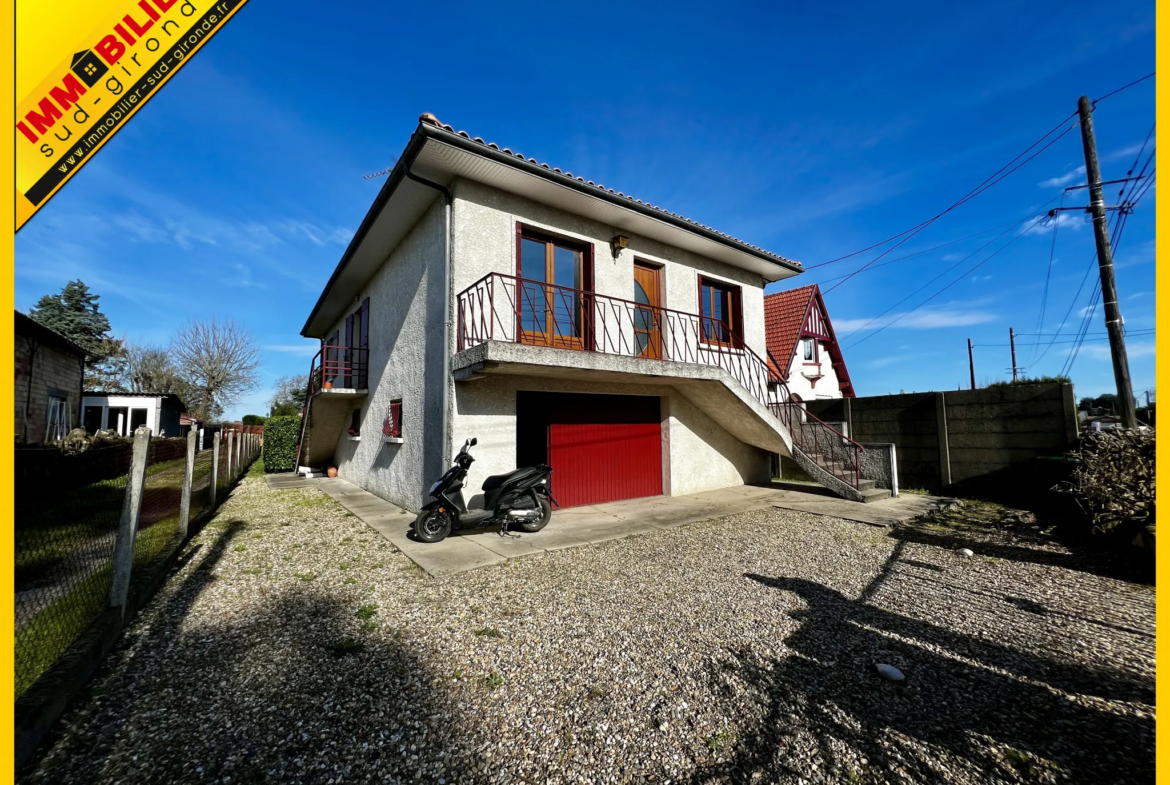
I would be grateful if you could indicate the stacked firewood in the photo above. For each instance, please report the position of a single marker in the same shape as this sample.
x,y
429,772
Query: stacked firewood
x,y
1114,483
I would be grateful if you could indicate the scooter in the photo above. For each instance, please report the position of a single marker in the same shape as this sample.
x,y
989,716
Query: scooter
x,y
521,497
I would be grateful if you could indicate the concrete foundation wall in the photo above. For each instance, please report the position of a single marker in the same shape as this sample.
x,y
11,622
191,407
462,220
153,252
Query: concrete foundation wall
x,y
406,345
698,454
879,462
485,221
946,438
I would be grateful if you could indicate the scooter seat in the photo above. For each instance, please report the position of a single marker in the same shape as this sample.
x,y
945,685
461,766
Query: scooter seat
x,y
499,480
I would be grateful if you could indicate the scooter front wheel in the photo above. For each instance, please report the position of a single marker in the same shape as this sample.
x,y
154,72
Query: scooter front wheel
x,y
432,525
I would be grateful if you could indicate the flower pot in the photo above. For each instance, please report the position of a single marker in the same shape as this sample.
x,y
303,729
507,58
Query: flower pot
x,y
327,385
331,471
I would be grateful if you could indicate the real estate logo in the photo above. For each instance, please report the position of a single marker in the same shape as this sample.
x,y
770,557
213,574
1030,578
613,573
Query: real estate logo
x,y
88,97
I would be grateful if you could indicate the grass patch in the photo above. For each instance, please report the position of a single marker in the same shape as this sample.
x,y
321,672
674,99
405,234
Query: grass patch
x,y
316,500
367,611
305,576
347,541
349,580
368,626
54,628
253,571
256,469
722,740
492,680
488,632
240,548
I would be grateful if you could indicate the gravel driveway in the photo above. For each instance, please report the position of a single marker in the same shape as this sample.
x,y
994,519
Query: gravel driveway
x,y
294,645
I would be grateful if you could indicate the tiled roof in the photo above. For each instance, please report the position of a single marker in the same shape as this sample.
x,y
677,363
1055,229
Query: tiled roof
x,y
432,120
783,317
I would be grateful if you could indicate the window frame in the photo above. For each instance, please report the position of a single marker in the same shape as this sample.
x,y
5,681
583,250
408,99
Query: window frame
x,y
62,408
392,428
582,341
734,310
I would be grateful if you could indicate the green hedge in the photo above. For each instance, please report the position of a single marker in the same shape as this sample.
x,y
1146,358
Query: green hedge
x,y
280,443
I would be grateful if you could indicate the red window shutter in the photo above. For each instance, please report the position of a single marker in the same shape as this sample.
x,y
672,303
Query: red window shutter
x,y
393,425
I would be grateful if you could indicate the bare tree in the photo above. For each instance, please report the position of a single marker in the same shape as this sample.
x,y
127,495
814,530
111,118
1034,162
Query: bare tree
x,y
289,394
218,359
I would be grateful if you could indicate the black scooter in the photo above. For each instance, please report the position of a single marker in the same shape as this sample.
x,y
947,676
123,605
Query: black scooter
x,y
520,497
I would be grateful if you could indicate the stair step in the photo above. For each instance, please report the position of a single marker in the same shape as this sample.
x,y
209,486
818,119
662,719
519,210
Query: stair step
x,y
875,495
866,485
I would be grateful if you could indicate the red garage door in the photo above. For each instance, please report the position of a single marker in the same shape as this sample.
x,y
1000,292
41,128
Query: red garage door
x,y
602,447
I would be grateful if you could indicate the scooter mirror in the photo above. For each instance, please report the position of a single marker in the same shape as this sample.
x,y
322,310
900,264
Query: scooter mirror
x,y
473,441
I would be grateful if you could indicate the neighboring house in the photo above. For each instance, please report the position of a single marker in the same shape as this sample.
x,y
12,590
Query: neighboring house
x,y
125,412
50,371
557,321
802,346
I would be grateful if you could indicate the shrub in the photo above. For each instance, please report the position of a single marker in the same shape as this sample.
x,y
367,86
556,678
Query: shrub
x,y
280,443
1031,380
254,419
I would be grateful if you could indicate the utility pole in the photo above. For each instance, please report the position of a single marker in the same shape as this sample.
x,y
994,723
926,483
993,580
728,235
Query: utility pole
x,y
1012,336
1105,264
971,361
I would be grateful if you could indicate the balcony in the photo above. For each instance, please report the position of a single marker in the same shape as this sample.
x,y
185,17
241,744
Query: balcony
x,y
340,371
507,309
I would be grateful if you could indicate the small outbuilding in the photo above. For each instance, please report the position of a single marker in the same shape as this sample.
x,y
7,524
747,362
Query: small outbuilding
x,y
125,412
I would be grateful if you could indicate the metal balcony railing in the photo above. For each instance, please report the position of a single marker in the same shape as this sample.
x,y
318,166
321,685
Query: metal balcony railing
x,y
339,367
510,309
506,308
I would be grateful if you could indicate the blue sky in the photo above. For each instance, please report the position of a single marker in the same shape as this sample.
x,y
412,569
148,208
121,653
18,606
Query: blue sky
x,y
812,132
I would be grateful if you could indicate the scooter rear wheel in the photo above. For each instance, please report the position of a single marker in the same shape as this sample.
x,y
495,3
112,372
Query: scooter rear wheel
x,y
534,526
432,525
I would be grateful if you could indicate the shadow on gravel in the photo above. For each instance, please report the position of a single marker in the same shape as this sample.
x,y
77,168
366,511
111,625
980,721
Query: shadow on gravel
x,y
302,691
826,697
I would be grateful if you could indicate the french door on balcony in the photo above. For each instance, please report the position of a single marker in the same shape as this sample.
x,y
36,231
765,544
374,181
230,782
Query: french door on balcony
x,y
648,311
551,299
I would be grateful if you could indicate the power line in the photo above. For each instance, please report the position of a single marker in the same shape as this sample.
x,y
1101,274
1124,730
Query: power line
x,y
1126,87
970,195
942,245
940,291
979,189
1048,275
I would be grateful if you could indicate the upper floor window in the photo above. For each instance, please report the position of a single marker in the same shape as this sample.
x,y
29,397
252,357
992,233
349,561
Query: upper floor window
x,y
808,347
721,306
555,272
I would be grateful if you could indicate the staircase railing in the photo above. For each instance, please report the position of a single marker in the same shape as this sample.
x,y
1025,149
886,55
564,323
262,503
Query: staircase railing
x,y
830,449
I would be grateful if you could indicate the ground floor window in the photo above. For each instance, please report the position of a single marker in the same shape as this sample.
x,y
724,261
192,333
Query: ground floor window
x,y
58,422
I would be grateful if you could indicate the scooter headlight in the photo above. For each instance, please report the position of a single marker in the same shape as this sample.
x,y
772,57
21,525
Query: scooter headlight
x,y
434,487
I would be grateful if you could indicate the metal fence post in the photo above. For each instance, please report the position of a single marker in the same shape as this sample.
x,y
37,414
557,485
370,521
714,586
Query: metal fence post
x,y
188,478
214,470
128,525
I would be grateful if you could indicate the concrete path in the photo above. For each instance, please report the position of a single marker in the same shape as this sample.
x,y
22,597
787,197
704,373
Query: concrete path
x,y
579,526
886,512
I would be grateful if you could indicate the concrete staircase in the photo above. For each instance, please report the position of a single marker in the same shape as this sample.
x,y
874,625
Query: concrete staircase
x,y
833,474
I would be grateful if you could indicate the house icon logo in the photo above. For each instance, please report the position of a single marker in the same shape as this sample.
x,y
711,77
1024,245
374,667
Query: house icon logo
x,y
88,66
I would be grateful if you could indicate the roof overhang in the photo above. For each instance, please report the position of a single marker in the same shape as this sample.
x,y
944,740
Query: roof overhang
x,y
440,156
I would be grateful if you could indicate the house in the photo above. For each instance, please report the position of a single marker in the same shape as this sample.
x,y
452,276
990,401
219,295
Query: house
x,y
802,346
558,321
50,370
126,412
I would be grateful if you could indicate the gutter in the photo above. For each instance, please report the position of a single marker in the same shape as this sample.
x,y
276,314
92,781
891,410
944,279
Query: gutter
x,y
448,295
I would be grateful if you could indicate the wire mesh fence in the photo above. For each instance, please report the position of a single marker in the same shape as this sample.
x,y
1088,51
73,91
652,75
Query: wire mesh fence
x,y
67,526
64,550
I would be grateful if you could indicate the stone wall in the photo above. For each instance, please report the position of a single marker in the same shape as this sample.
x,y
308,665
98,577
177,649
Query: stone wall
x,y
51,371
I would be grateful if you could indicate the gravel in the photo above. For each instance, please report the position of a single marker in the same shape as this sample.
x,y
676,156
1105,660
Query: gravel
x,y
294,645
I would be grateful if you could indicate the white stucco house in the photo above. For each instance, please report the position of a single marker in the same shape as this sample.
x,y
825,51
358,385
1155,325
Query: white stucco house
x,y
802,345
125,412
558,321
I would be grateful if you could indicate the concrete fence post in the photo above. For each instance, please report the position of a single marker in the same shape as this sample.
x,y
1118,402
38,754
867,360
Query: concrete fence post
x,y
128,525
188,479
214,470
944,446
230,455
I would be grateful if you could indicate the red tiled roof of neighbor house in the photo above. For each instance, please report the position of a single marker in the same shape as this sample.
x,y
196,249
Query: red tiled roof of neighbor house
x,y
784,314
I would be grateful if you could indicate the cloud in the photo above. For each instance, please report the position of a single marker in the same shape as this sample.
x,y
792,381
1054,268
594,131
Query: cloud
x,y
1125,152
978,278
306,349
924,319
1064,179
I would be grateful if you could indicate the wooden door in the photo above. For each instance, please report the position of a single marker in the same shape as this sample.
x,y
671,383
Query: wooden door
x,y
550,299
648,311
